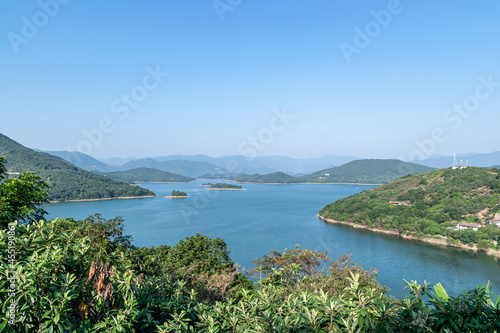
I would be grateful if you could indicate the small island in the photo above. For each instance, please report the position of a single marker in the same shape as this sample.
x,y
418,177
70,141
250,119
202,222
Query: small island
x,y
225,186
177,195
206,184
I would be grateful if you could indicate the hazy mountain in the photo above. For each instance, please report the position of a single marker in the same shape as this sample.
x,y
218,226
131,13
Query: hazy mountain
x,y
82,160
359,171
264,164
180,167
473,159
146,175
117,161
372,171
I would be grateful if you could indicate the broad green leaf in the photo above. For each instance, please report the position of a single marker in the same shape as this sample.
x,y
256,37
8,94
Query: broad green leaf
x,y
440,292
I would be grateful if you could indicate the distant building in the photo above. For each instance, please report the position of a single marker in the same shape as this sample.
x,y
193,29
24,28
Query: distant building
x,y
497,222
400,203
465,225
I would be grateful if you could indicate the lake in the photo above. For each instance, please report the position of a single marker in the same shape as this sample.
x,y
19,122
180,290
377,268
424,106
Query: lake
x,y
274,217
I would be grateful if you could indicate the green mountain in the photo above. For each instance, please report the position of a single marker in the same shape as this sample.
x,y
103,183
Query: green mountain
x,y
427,204
180,167
372,171
139,175
359,171
67,181
276,177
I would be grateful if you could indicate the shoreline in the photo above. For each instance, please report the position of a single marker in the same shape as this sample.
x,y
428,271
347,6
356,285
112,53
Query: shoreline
x,y
441,242
226,189
363,184
140,182
102,199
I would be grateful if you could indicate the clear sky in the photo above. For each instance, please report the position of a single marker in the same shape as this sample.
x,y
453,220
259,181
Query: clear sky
x,y
375,79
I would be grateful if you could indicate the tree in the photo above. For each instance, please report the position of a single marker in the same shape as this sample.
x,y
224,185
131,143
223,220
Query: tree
x,y
207,255
483,244
20,198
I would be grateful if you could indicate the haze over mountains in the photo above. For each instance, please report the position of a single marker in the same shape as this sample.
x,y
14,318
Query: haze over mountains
x,y
199,165
73,181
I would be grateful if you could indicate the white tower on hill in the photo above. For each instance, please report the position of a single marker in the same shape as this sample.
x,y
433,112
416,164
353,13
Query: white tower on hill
x,y
455,163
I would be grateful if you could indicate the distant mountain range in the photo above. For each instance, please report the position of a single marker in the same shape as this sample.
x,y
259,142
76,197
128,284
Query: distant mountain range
x,y
372,171
281,169
472,159
67,181
145,175
199,165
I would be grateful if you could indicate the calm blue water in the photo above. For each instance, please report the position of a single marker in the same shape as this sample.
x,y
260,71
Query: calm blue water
x,y
275,217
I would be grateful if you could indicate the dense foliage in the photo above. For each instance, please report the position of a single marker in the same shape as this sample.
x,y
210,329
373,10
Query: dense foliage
x,y
21,197
436,200
226,186
66,181
145,175
83,276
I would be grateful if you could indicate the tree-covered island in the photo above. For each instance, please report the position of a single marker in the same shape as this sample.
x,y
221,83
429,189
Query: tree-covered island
x,y
178,194
225,186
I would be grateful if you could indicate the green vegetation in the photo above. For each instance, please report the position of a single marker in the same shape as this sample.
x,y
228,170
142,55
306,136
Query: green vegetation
x,y
366,171
176,193
276,177
435,201
21,197
225,186
359,171
85,276
145,175
66,181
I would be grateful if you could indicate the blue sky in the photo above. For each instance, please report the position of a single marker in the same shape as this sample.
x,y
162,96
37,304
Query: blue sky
x,y
375,79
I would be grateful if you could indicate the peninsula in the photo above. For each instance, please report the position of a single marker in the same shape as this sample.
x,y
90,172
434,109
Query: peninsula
x,y
455,207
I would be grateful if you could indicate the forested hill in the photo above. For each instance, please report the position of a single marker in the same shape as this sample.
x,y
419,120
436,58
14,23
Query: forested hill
x,y
274,178
427,203
359,171
67,181
147,175
371,171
